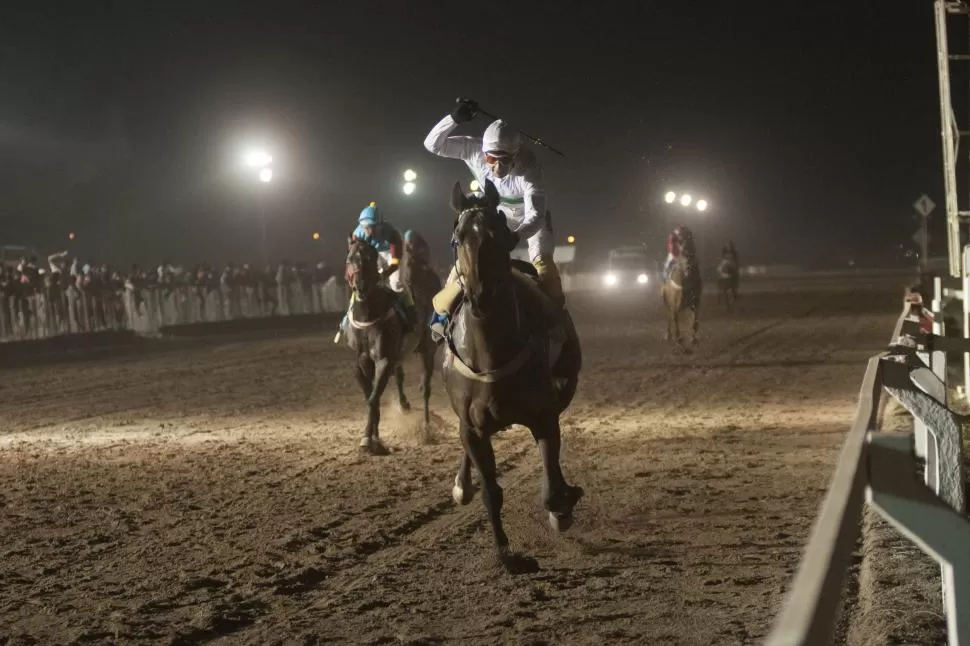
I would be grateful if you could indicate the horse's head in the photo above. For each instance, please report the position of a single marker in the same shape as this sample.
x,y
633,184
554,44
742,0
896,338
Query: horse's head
x,y
362,272
483,243
415,256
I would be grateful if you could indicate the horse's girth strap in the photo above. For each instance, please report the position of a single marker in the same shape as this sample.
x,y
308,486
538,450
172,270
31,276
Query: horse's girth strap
x,y
360,325
491,376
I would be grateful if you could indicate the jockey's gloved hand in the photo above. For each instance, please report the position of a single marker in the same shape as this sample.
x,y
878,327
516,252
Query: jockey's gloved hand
x,y
465,110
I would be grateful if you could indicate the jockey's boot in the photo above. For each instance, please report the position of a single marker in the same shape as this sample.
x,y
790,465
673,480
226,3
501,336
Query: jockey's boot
x,y
444,304
439,323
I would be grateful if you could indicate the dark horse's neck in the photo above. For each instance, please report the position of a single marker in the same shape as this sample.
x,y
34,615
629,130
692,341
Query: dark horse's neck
x,y
370,305
496,327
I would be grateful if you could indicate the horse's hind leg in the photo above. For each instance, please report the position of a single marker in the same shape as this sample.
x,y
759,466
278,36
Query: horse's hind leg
x,y
558,496
479,449
402,398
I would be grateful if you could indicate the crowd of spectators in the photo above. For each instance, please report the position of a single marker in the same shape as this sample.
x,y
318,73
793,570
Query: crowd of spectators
x,y
68,296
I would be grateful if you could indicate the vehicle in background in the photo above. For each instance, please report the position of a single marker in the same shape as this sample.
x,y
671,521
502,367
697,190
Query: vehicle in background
x,y
630,268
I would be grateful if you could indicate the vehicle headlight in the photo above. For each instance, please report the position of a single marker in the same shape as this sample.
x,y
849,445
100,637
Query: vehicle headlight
x,y
643,279
610,280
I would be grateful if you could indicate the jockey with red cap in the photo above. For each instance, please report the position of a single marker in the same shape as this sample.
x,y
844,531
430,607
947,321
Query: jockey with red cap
x,y
680,242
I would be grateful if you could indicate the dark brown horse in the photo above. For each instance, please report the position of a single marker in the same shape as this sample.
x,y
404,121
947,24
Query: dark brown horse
x,y
375,332
497,367
422,283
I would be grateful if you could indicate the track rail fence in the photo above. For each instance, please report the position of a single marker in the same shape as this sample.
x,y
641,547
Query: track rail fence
x,y
884,470
48,312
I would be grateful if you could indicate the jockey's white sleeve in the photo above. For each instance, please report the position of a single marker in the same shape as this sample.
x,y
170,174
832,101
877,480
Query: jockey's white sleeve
x,y
467,149
534,216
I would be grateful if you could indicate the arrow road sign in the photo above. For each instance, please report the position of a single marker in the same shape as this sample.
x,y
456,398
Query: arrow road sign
x,y
924,205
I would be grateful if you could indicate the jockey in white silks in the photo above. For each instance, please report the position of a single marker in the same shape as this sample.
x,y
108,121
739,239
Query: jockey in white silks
x,y
515,172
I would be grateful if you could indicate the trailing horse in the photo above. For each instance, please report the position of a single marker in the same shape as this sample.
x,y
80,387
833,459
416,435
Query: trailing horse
x,y
728,280
682,292
497,367
422,283
375,331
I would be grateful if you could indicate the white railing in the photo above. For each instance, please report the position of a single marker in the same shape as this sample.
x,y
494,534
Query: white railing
x,y
47,313
882,469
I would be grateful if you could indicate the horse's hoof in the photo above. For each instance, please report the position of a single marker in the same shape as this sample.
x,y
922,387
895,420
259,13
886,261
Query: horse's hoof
x,y
518,563
377,448
560,522
373,447
462,496
405,406
563,502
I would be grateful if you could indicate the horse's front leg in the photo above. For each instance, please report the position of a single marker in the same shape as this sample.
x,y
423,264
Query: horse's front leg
x,y
382,374
402,398
695,321
479,448
463,492
675,322
558,496
427,359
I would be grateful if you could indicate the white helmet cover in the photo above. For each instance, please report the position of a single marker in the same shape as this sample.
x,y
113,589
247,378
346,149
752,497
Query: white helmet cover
x,y
501,137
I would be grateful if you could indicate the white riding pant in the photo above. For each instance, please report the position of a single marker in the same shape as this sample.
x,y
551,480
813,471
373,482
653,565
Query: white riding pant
x,y
394,282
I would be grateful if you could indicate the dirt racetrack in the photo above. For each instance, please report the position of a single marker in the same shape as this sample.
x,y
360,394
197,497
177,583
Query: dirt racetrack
x,y
214,492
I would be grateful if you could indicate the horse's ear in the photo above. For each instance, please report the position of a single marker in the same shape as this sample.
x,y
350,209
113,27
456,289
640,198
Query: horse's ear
x,y
457,198
491,194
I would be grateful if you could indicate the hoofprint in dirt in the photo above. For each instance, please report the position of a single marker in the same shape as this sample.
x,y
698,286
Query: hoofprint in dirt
x,y
217,492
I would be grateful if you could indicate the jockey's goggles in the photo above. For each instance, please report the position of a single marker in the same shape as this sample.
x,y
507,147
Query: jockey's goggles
x,y
498,158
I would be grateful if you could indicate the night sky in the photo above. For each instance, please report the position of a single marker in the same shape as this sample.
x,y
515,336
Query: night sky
x,y
810,127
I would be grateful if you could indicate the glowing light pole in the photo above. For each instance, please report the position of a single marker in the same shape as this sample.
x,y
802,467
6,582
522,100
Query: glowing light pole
x,y
260,159
409,182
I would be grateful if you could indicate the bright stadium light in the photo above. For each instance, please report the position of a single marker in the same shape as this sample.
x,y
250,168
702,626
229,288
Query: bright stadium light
x,y
685,200
669,197
410,175
266,175
701,205
258,158
409,188
474,186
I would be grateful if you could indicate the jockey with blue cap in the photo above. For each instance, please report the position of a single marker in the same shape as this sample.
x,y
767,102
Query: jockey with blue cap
x,y
372,229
